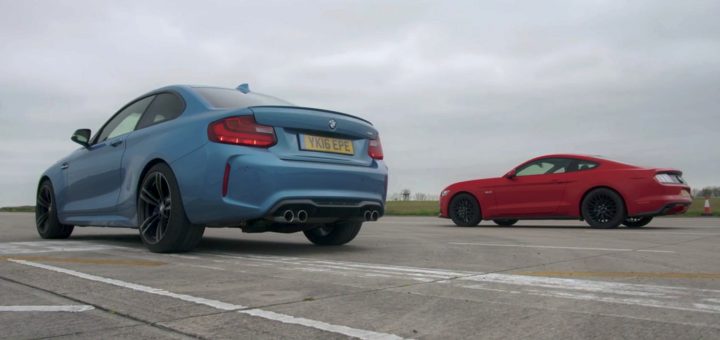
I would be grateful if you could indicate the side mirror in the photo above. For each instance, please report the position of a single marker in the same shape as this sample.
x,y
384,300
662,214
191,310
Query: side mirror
x,y
510,174
82,137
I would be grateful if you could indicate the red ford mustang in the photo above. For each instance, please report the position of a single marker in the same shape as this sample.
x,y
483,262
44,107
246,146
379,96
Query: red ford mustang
x,y
604,193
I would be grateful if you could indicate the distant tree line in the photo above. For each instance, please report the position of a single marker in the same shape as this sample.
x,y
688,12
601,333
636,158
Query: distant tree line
x,y
706,192
407,195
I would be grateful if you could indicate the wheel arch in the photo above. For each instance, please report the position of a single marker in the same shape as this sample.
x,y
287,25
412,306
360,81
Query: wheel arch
x,y
144,171
479,203
588,191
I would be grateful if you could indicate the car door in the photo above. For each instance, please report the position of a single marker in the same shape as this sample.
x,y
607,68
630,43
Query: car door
x,y
536,190
94,174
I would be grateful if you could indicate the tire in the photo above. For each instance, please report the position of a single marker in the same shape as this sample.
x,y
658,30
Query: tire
x,y
603,208
46,219
637,222
333,234
464,210
162,223
506,223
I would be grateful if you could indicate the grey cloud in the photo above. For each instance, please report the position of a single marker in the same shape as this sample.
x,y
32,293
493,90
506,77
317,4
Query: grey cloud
x,y
458,89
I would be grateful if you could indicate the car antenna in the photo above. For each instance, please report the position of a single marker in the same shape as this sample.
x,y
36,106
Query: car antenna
x,y
244,88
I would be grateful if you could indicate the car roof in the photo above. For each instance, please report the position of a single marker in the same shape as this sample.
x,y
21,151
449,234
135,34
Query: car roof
x,y
594,158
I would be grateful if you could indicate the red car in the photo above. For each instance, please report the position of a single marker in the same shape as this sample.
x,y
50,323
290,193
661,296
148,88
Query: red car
x,y
602,192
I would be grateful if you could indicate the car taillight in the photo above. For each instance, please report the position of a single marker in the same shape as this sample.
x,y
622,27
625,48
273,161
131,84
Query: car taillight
x,y
241,130
375,149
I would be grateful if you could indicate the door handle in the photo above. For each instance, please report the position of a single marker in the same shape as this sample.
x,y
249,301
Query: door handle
x,y
116,143
64,166
558,181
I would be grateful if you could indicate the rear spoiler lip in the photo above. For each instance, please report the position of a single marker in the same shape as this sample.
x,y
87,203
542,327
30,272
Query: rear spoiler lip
x,y
309,108
667,171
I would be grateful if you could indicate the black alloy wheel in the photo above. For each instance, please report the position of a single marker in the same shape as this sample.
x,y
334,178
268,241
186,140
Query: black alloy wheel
x,y
163,225
465,211
46,219
603,208
505,222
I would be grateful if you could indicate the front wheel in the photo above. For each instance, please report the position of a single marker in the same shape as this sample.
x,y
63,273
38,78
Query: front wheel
x,y
464,210
637,222
505,223
333,234
46,219
164,227
603,208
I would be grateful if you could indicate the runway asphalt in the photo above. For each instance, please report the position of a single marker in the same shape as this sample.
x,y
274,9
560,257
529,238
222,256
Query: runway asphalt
x,y
402,277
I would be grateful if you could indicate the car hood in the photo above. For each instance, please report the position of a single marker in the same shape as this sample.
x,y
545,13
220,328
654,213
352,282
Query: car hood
x,y
476,183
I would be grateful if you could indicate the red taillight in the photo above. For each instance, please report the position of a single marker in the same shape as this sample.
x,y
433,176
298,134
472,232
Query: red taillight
x,y
242,130
375,149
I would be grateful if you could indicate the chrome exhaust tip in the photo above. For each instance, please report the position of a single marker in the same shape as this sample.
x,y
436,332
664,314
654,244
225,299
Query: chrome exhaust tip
x,y
289,216
374,216
302,216
367,215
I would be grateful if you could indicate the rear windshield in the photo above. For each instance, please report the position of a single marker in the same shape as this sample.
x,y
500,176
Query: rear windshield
x,y
229,99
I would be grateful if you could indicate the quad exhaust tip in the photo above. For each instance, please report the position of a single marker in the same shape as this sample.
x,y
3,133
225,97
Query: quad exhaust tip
x,y
289,216
374,215
302,216
371,216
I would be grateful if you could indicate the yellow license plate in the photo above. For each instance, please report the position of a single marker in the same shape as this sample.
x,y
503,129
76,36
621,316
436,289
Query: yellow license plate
x,y
326,144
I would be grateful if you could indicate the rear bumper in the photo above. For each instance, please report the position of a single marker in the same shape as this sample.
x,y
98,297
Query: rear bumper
x,y
261,186
663,205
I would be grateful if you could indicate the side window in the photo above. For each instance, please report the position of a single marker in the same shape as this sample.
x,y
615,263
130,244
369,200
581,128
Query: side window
x,y
586,165
124,121
545,166
166,106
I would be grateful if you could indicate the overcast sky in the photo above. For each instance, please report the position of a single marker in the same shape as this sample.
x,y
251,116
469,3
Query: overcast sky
x,y
458,89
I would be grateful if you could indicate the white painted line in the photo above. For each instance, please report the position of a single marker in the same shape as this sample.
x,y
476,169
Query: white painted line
x,y
551,247
140,288
67,308
667,297
344,330
654,251
50,246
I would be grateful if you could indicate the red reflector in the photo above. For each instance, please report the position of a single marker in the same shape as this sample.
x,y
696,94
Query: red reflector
x,y
375,149
226,178
242,130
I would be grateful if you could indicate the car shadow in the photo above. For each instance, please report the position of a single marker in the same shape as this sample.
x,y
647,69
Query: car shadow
x,y
234,245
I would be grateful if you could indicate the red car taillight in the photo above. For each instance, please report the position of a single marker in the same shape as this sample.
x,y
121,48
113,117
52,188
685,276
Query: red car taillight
x,y
375,149
242,130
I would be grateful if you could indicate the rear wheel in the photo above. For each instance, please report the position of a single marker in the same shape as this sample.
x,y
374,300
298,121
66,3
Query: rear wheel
x,y
46,219
333,234
506,222
164,227
637,222
603,208
465,210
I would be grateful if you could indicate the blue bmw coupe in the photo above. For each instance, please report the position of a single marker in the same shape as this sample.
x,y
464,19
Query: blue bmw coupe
x,y
182,158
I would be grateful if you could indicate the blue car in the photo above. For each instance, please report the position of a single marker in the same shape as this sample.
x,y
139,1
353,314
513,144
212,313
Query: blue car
x,y
182,158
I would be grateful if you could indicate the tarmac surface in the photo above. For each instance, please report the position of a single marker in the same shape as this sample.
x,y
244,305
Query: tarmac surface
x,y
402,277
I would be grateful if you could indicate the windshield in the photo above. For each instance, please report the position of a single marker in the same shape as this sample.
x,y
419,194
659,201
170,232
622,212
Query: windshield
x,y
228,98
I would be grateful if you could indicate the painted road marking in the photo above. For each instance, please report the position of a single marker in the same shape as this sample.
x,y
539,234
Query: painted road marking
x,y
668,275
666,297
554,247
344,330
50,246
354,269
66,308
84,260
